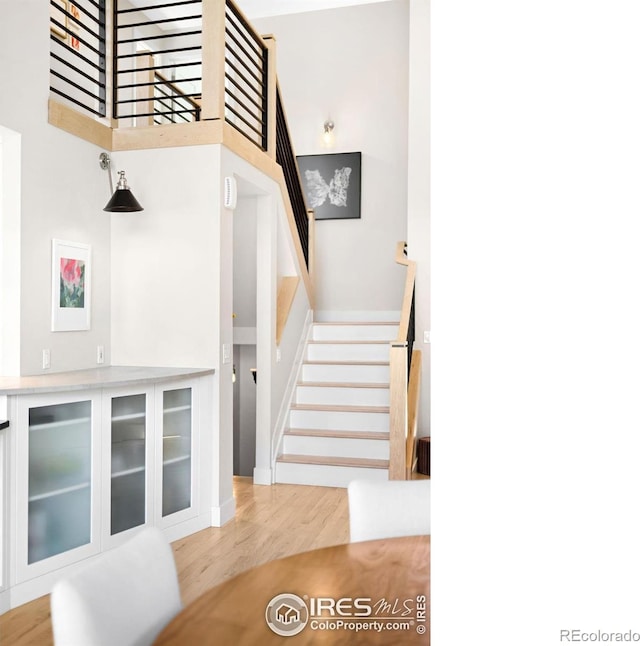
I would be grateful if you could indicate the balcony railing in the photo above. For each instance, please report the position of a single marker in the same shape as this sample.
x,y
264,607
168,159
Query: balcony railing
x,y
189,60
170,105
78,59
246,97
175,63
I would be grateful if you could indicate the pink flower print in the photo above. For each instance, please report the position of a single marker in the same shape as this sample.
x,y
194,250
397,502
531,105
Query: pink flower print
x,y
71,282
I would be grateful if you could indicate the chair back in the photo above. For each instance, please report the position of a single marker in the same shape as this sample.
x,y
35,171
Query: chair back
x,y
389,508
124,597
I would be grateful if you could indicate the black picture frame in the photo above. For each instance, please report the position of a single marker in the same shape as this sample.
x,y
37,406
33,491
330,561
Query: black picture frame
x,y
331,184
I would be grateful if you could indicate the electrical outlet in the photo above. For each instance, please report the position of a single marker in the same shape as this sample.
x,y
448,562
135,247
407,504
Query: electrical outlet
x,y
226,353
278,355
46,359
100,354
427,336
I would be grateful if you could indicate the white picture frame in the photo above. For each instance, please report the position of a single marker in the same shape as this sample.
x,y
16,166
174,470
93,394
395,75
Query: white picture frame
x,y
70,286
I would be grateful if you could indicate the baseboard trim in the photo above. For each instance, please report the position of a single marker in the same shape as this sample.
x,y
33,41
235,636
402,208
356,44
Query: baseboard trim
x,y
224,513
262,476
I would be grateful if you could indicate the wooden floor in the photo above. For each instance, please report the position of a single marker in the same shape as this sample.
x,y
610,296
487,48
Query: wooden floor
x,y
271,522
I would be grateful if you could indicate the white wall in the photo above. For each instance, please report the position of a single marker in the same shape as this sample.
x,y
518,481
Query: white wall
x,y
273,250
63,191
9,252
165,259
244,263
351,65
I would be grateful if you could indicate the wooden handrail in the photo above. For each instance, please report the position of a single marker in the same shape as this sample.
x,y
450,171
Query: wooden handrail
x,y
181,95
286,292
405,311
401,256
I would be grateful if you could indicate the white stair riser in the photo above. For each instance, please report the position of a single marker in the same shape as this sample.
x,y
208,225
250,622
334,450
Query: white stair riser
x,y
348,352
339,421
324,475
354,332
342,396
336,447
344,374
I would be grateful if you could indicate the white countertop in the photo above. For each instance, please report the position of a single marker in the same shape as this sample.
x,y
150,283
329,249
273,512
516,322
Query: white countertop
x,y
108,376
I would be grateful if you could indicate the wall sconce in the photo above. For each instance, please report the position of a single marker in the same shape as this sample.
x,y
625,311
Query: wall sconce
x,y
254,374
328,138
122,200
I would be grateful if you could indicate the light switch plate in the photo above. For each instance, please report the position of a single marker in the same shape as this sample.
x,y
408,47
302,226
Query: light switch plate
x,y
226,353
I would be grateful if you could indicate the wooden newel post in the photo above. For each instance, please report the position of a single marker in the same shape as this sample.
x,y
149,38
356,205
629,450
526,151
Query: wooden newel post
x,y
398,414
145,80
213,52
413,404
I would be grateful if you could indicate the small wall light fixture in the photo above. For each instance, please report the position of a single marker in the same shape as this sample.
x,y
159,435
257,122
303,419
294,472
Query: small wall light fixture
x,y
254,374
122,200
328,137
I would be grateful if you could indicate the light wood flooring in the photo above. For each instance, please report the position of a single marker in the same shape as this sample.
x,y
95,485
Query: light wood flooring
x,y
270,523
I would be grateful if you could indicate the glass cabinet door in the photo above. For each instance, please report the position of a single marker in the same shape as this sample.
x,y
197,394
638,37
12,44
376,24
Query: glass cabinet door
x,y
128,462
60,479
176,450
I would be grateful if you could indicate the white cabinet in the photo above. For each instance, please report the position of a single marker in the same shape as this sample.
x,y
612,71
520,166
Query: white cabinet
x,y
128,456
57,481
150,448
176,496
88,467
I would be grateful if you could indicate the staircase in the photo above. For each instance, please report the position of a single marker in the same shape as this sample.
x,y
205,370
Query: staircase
x,y
339,422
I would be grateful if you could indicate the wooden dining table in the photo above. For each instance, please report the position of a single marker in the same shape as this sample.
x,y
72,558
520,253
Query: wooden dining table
x,y
374,592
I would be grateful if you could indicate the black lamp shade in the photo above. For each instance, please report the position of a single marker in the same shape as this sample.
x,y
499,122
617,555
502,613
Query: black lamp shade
x,y
123,201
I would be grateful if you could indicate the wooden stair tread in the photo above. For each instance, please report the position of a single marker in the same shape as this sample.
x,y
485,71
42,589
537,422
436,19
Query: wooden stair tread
x,y
339,408
331,461
345,363
356,435
339,384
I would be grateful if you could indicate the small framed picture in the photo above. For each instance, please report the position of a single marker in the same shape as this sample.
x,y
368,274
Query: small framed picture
x,y
331,184
70,286
57,8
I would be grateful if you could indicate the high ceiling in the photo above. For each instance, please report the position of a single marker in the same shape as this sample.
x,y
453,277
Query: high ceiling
x,y
262,8
251,8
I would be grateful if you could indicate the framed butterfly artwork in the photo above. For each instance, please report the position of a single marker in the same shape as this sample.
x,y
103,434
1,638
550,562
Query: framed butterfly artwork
x,y
331,184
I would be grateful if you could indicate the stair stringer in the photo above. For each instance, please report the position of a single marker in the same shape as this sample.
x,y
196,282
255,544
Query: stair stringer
x,y
280,426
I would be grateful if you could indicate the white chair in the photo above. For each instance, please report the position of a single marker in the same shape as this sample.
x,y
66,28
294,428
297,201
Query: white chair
x,y
124,597
389,508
